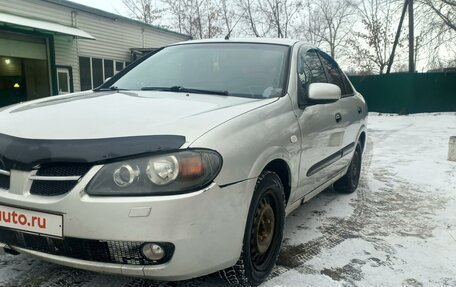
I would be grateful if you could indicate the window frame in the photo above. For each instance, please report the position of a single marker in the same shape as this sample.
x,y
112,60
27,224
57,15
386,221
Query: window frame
x,y
85,73
69,71
105,70
97,80
303,94
115,72
345,81
115,66
307,49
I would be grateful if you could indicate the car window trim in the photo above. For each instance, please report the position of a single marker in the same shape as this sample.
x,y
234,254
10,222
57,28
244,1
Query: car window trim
x,y
306,48
347,81
341,73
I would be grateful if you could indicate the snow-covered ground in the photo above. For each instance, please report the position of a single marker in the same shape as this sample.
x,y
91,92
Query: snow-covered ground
x,y
398,229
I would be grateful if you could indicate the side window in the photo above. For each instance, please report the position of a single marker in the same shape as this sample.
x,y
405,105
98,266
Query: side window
x,y
310,69
348,87
85,73
335,75
97,72
108,68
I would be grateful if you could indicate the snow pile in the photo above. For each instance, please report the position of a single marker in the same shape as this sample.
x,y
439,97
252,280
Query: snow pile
x,y
403,228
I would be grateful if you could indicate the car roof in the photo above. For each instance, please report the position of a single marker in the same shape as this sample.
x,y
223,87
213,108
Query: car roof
x,y
276,41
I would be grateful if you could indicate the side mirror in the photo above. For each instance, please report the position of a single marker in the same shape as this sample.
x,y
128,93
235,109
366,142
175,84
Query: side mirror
x,y
324,93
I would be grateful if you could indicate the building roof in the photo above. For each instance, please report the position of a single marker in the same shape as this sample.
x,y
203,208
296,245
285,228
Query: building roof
x,y
14,20
113,16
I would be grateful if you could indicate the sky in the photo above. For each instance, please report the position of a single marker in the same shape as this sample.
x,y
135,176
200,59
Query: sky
x,y
117,7
113,6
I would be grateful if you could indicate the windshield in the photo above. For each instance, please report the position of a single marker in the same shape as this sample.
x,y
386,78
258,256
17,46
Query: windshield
x,y
245,70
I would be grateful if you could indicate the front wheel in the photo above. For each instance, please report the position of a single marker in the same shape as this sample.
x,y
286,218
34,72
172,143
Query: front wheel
x,y
263,233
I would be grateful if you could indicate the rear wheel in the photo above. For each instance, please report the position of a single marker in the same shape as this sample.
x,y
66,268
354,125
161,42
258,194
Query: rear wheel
x,y
349,182
263,233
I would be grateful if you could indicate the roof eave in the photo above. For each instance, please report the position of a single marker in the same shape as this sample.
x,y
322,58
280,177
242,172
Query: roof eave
x,y
113,16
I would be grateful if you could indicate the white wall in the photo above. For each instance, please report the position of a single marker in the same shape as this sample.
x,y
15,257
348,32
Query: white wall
x,y
66,54
114,37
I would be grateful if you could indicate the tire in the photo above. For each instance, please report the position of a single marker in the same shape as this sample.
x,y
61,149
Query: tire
x,y
349,182
262,239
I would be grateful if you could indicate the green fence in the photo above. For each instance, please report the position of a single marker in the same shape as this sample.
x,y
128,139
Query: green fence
x,y
408,93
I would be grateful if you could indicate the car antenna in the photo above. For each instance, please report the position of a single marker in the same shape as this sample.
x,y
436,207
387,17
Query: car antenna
x,y
227,37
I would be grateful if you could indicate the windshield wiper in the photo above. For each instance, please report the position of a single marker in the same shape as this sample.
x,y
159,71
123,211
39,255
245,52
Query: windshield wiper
x,y
180,89
112,88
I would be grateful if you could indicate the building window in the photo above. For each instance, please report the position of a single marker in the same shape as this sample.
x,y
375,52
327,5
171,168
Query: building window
x,y
97,72
85,73
119,66
108,68
94,71
64,80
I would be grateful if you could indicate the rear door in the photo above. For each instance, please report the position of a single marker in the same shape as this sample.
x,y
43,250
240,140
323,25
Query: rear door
x,y
347,109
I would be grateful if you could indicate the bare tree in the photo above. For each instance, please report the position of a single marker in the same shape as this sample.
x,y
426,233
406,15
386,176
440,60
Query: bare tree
x,y
371,47
214,16
268,18
197,18
308,22
365,27
435,35
445,10
228,14
280,14
335,20
143,10
253,22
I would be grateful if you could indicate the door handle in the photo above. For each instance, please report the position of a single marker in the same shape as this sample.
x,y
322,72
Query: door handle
x,y
360,110
338,117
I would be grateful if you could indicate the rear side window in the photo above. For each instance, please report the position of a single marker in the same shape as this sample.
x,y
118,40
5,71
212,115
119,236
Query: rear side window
x,y
335,75
310,69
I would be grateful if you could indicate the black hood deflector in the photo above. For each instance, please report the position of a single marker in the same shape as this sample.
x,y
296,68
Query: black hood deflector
x,y
24,154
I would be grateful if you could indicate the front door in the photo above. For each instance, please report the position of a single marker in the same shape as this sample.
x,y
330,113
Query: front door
x,y
347,108
322,131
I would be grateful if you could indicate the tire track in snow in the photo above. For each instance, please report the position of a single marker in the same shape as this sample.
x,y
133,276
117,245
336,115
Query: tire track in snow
x,y
292,257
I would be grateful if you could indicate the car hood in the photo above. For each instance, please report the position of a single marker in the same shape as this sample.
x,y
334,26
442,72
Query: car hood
x,y
95,115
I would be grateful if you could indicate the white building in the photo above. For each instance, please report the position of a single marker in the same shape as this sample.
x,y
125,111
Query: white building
x,y
50,47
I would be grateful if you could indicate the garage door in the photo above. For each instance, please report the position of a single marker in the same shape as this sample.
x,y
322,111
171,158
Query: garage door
x,y
24,68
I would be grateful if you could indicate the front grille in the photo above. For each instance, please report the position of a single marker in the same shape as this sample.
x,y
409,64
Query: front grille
x,y
4,176
57,179
120,252
52,188
4,181
63,170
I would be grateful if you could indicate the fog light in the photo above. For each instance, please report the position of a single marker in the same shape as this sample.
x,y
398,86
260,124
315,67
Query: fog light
x,y
153,251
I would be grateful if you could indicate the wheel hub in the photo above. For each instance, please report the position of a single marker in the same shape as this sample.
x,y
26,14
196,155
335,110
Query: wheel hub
x,y
265,227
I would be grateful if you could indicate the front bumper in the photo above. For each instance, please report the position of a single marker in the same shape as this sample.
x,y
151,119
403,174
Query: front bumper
x,y
206,227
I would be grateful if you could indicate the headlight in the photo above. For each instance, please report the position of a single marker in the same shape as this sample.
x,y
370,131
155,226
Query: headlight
x,y
166,174
163,170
